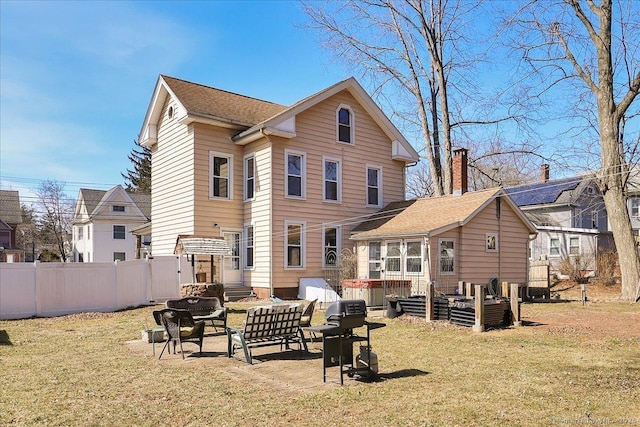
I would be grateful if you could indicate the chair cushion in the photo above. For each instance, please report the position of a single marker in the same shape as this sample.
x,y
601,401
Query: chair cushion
x,y
186,332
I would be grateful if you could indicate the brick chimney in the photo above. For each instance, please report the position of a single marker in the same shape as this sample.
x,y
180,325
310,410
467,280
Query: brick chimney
x,y
544,172
460,181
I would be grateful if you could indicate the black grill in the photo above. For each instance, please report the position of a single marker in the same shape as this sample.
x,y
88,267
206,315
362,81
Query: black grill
x,y
347,314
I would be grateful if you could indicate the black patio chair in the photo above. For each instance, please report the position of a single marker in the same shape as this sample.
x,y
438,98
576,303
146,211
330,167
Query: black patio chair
x,y
180,327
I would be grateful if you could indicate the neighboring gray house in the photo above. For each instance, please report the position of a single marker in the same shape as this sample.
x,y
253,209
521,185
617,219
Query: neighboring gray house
x,y
633,201
10,217
570,217
103,224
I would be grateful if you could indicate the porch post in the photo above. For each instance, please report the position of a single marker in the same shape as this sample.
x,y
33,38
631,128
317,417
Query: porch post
x,y
429,303
515,307
479,308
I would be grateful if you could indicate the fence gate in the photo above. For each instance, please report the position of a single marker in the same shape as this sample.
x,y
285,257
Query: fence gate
x,y
339,266
539,283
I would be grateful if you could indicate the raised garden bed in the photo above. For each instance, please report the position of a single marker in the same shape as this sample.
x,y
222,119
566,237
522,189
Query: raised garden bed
x,y
458,310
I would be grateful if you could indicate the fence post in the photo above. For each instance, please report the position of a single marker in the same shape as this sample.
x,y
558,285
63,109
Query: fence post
x,y
469,290
505,289
461,288
479,308
515,306
429,302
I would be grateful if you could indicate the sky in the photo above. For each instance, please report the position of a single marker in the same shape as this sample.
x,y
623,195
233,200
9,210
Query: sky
x,y
76,78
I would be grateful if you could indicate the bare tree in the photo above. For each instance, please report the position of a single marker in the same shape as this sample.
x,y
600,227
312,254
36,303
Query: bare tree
x,y
591,51
56,215
421,56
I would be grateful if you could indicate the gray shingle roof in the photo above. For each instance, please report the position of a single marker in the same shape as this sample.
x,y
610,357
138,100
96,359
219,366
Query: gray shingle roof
x,y
10,211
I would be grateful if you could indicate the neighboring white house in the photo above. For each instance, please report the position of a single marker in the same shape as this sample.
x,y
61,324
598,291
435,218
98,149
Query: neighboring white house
x,y
633,201
103,222
570,218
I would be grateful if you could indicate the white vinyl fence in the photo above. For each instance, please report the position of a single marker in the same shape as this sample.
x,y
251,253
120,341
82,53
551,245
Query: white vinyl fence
x,y
55,289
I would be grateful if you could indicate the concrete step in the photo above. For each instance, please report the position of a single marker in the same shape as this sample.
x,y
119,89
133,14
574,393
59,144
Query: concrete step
x,y
235,293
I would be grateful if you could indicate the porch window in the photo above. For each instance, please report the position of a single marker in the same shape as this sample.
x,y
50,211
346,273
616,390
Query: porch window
x,y
446,256
295,183
574,245
295,244
332,180
554,246
345,125
392,260
221,176
119,232
330,243
414,257
375,257
374,186
594,219
249,247
249,177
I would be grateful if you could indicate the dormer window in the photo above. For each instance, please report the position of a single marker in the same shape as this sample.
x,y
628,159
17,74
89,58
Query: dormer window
x,y
345,125
117,208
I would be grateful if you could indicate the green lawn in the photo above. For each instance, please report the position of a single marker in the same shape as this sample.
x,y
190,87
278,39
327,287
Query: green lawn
x,y
77,370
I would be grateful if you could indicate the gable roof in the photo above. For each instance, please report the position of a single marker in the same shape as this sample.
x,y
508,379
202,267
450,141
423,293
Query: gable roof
x,y
254,118
95,199
432,215
560,191
10,210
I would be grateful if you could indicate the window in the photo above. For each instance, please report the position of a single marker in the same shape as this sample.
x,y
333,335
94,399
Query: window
x,y
577,218
221,176
492,242
331,245
119,256
332,177
375,257
119,232
414,257
80,257
392,260
574,245
295,242
635,207
374,186
446,256
117,208
295,183
554,246
89,232
594,219
249,250
80,233
345,125
249,177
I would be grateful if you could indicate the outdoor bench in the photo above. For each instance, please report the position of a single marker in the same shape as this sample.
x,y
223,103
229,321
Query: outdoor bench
x,y
202,308
267,325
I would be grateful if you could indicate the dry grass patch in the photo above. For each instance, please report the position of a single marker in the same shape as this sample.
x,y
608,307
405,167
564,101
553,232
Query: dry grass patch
x,y
92,369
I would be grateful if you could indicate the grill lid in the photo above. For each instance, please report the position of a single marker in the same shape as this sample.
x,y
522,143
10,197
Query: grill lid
x,y
346,308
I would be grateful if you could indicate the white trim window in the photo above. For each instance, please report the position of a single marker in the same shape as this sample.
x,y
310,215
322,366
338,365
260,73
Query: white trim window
x,y
118,208
249,177
295,242
249,248
345,124
332,179
331,243
446,256
635,207
574,245
554,246
221,175
374,186
80,232
119,232
375,259
491,242
414,257
393,259
295,184
119,256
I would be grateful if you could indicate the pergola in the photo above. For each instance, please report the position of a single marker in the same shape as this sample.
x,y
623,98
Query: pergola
x,y
201,245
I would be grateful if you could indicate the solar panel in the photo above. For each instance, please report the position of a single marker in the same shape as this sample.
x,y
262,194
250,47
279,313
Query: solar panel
x,y
541,193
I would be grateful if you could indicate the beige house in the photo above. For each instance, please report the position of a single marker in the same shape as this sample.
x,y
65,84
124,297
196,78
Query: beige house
x,y
283,185
467,236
